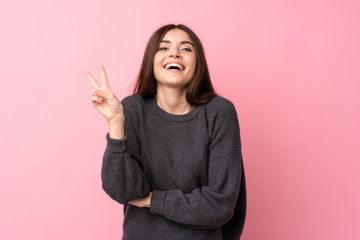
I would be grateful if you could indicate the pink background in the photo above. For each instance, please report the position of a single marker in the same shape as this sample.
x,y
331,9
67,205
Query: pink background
x,y
290,67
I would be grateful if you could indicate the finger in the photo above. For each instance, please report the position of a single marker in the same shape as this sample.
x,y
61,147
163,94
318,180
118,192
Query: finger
x,y
96,99
92,80
99,93
103,77
95,104
93,92
134,202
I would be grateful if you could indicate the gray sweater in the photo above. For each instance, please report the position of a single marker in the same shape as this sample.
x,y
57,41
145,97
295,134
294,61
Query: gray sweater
x,y
191,163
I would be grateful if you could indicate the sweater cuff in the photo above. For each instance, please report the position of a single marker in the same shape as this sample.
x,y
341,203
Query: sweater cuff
x,y
157,202
116,145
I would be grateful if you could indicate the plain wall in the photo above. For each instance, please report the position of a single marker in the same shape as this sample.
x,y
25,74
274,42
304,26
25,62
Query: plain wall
x,y
290,67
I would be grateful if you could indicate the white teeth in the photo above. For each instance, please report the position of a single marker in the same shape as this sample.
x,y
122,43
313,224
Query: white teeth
x,y
167,66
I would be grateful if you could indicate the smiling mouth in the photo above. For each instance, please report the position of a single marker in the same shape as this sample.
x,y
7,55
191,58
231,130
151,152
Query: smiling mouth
x,y
174,66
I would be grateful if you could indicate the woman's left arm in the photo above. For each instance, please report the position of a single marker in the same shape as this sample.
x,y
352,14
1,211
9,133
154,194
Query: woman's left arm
x,y
207,207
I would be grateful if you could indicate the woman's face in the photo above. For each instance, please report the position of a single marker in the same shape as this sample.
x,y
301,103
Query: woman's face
x,y
175,60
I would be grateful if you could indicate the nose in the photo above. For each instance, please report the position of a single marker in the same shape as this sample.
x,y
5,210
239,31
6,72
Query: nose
x,y
175,53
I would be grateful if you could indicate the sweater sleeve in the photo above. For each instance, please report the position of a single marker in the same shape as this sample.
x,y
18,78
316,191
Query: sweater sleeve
x,y
121,173
210,206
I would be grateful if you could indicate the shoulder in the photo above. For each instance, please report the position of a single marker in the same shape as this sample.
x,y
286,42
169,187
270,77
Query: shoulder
x,y
220,106
132,100
135,103
223,125
134,106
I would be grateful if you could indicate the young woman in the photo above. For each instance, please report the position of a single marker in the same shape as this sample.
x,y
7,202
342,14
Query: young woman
x,y
173,154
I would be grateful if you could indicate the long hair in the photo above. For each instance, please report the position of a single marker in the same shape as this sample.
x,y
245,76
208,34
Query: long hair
x,y
200,89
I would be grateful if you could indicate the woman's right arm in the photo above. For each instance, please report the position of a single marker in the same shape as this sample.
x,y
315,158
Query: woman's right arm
x,y
122,177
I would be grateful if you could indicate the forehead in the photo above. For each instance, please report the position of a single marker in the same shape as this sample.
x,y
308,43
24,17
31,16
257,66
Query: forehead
x,y
176,35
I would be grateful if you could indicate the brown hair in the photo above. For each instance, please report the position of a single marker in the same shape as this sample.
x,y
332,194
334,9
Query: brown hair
x,y
199,90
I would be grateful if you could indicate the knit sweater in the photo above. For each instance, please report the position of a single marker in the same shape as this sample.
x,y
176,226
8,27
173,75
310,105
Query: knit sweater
x,y
191,163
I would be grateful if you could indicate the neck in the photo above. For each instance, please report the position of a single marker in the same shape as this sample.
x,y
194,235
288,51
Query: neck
x,y
173,100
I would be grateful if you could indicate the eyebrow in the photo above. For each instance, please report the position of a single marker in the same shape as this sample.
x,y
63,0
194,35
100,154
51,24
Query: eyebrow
x,y
182,42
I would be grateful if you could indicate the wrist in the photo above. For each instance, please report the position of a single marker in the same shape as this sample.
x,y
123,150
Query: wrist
x,y
116,127
118,119
149,200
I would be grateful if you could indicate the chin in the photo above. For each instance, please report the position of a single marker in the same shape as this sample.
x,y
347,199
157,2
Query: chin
x,y
175,83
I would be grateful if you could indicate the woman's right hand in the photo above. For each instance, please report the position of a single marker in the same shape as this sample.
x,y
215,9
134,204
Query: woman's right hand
x,y
108,105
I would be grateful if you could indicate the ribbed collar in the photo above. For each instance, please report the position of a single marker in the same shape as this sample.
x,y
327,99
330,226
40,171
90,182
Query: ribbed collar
x,y
173,117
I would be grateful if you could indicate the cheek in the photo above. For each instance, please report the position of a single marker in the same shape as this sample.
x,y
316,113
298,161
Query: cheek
x,y
157,64
156,57
156,61
193,64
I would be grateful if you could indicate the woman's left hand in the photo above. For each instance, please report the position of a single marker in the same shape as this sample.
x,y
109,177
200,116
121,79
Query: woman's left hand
x,y
142,202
